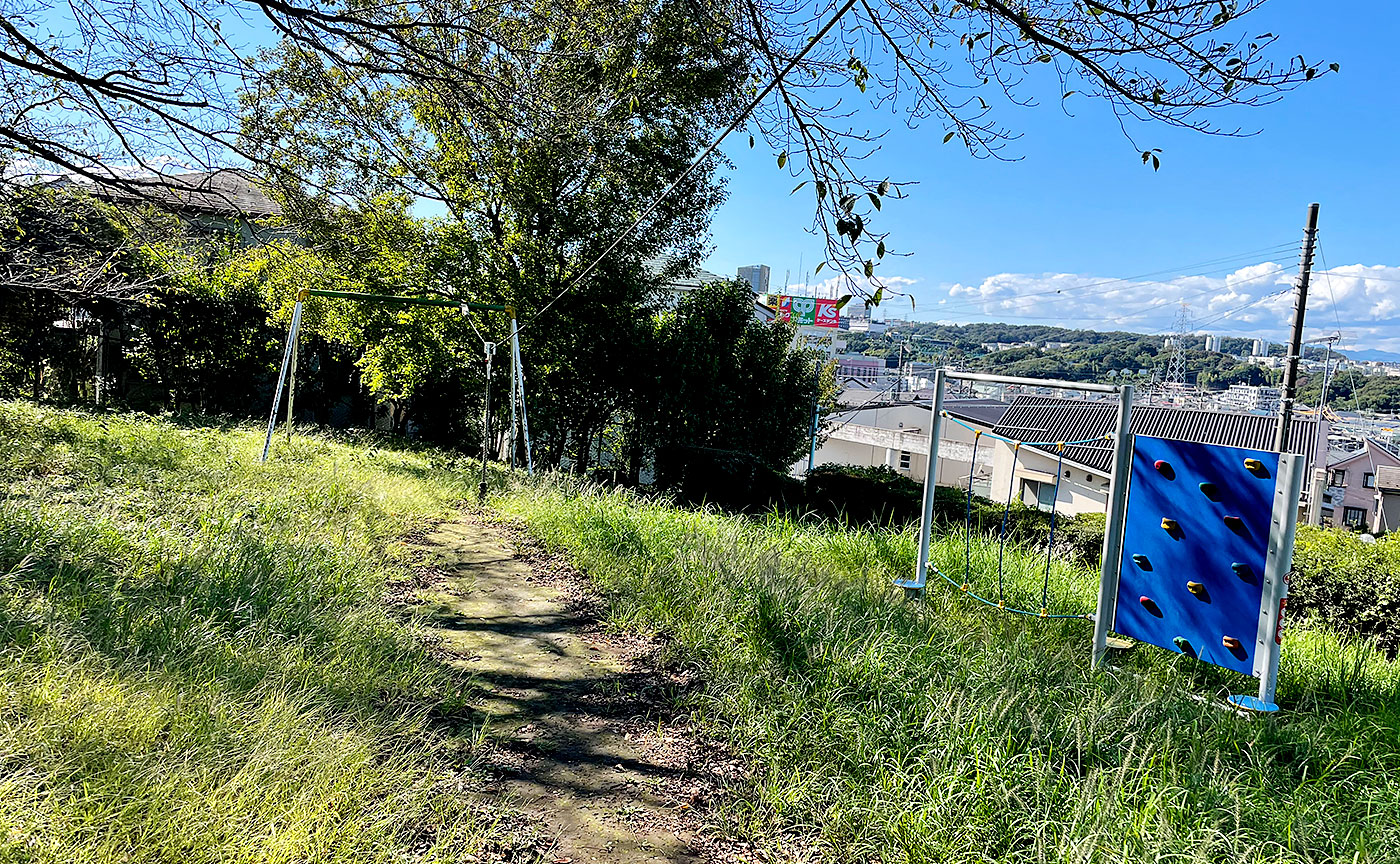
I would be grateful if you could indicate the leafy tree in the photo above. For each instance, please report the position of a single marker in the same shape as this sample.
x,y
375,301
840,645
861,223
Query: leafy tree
x,y
716,377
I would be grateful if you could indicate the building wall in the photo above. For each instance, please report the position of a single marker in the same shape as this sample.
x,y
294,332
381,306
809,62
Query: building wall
x,y
1354,493
1078,493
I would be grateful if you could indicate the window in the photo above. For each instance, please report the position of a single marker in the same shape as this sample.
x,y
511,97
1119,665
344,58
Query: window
x,y
904,460
1339,478
1354,517
1368,480
1043,493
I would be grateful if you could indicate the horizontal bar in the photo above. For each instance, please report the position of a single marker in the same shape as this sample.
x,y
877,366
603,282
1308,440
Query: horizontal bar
x,y
1033,382
408,301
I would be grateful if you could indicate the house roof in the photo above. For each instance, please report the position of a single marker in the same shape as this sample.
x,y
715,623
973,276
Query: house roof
x,y
221,192
1370,449
984,412
1049,418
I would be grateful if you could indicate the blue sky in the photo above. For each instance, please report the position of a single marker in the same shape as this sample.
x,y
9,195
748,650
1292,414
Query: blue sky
x,y
1079,207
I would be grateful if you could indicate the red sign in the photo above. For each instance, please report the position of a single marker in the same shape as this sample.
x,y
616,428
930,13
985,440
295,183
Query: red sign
x,y
828,314
784,309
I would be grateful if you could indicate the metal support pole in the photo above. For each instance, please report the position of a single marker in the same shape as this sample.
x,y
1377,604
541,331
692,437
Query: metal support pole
x,y
520,381
281,377
101,364
812,451
1295,339
930,486
292,383
490,349
1277,565
514,390
1113,526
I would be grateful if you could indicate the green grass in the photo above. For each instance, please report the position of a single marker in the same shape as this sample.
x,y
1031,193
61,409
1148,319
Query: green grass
x,y
947,731
196,663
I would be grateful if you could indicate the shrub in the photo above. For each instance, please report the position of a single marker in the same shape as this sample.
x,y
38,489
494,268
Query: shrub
x,y
730,479
864,494
1351,585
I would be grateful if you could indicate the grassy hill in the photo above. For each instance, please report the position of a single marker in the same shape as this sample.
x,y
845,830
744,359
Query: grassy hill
x,y
198,662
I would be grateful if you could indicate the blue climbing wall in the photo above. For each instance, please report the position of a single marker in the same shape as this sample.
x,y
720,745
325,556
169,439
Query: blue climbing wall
x,y
1202,576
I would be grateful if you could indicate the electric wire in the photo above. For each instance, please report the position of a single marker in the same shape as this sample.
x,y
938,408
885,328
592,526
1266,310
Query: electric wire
x,y
699,160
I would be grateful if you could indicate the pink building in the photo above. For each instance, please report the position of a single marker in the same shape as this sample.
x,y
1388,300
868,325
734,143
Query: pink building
x,y
1350,498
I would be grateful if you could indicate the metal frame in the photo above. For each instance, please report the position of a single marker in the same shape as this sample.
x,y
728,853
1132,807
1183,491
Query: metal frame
x,y
1279,561
1113,533
1113,524
287,373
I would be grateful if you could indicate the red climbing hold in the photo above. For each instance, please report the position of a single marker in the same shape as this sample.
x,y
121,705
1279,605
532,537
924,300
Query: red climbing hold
x,y
1234,523
1151,606
1165,469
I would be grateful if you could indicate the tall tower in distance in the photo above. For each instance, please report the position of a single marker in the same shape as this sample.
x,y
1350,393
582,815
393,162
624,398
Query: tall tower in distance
x,y
757,277
1176,365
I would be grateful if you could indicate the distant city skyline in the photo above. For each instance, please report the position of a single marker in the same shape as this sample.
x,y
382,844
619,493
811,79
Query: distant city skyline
x,y
1035,240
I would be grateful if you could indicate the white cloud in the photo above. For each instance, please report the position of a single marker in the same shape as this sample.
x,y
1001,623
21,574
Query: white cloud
x,y
839,286
1252,301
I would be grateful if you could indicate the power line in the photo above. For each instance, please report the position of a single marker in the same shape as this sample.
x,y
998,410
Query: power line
x,y
734,124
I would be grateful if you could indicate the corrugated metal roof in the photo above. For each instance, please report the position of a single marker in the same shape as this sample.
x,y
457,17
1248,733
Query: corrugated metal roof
x,y
223,191
1048,418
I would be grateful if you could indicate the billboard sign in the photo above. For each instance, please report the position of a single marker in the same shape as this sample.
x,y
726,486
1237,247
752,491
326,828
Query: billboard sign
x,y
808,311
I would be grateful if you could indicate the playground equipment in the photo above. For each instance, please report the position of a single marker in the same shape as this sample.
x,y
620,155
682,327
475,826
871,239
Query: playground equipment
x,y
1207,546
1197,544
287,374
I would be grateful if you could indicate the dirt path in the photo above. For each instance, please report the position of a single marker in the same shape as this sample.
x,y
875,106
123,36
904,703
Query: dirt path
x,y
581,733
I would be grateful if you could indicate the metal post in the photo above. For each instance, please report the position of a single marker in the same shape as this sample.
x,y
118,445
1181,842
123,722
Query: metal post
x,y
490,349
1277,565
281,377
520,379
514,428
101,362
1295,339
1113,525
812,452
292,383
930,486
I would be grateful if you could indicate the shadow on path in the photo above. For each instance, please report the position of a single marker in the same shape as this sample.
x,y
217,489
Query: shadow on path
x,y
580,733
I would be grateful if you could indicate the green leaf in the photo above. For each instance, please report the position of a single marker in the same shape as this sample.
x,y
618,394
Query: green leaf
x,y
750,142
869,269
880,250
878,296
821,190
874,200
797,187
1335,67
845,298
949,136
884,187
819,268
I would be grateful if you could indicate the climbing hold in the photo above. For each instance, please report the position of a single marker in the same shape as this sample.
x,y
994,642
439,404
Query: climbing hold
x,y
966,586
1141,561
1211,491
1170,526
1255,467
1044,613
1165,469
1183,646
1236,648
1199,591
1235,523
1243,571
1151,606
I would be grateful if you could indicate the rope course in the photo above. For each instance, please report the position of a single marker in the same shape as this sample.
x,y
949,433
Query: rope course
x,y
965,586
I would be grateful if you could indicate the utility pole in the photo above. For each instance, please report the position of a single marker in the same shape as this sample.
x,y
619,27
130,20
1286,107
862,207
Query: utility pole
x,y
1295,340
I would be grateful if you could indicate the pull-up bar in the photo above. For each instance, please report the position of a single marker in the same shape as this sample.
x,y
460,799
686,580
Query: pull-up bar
x,y
287,374
405,300
1032,382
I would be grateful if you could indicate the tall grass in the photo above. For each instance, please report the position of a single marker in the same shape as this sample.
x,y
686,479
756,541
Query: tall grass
x,y
195,660
946,731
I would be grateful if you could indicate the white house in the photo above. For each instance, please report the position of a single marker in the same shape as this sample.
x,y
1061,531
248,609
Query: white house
x,y
896,434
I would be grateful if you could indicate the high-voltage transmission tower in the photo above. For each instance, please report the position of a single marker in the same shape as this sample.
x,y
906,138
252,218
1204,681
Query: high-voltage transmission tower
x,y
1176,365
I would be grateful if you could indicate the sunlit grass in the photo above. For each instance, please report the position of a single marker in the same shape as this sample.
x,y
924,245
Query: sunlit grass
x,y
195,660
944,730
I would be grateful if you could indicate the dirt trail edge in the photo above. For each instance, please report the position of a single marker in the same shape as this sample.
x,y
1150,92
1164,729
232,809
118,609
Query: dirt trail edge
x,y
581,733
